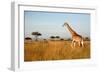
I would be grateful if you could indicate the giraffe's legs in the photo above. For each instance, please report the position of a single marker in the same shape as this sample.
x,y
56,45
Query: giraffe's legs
x,y
82,43
72,44
79,43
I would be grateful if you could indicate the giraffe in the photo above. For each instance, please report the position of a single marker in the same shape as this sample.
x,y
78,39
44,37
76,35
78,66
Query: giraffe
x,y
76,38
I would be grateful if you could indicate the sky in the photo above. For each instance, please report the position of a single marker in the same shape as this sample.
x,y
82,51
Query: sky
x,y
50,23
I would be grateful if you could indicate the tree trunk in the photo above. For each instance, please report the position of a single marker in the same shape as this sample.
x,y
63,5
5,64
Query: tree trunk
x,y
36,38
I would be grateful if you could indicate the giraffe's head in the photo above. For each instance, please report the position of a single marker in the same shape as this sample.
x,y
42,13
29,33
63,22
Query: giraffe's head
x,y
65,24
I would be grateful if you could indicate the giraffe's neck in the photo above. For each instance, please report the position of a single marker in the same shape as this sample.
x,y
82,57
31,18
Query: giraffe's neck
x,y
71,30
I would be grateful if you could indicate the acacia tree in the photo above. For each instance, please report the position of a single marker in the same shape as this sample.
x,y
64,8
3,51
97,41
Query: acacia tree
x,y
57,37
61,39
52,37
28,38
36,34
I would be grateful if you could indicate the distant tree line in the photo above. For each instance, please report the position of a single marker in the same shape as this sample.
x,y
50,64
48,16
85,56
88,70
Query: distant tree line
x,y
37,34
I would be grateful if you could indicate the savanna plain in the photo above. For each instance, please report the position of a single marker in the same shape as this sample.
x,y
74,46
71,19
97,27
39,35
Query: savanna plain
x,y
47,50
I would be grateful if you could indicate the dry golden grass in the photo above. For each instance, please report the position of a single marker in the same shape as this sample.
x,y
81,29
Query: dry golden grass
x,y
54,50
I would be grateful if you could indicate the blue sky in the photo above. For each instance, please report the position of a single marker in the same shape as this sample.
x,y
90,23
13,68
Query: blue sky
x,y
50,23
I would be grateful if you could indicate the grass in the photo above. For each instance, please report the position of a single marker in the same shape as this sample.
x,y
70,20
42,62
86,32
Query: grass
x,y
54,50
